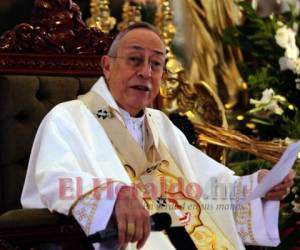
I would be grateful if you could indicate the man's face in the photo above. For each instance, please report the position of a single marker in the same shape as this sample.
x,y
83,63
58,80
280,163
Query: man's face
x,y
134,75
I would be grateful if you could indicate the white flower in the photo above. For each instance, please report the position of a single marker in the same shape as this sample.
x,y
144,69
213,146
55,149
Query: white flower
x,y
285,38
292,51
288,141
296,69
282,36
269,102
267,95
295,27
286,63
290,64
280,24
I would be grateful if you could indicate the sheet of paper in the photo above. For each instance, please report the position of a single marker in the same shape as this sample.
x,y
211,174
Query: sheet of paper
x,y
277,174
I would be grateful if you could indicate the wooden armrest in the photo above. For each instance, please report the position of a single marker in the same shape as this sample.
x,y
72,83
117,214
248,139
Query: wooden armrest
x,y
26,228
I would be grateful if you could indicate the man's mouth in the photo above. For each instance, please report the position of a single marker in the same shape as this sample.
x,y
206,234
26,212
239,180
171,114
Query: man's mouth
x,y
141,88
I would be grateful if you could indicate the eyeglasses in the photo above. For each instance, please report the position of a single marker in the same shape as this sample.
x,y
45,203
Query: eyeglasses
x,y
157,65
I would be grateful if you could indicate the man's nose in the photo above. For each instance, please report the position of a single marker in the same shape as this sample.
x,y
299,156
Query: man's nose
x,y
145,69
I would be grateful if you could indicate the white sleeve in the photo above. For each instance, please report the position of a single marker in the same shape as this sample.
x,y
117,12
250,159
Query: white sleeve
x,y
94,212
257,221
64,176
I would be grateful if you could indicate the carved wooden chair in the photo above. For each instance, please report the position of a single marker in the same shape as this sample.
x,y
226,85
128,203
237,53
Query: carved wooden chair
x,y
25,99
40,68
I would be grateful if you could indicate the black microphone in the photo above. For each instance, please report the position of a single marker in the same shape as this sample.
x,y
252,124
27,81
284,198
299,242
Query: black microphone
x,y
158,222
180,238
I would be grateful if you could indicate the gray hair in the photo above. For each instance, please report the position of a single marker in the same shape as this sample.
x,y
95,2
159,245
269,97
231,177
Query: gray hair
x,y
140,25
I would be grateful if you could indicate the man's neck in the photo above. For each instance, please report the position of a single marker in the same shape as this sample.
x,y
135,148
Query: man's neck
x,y
125,113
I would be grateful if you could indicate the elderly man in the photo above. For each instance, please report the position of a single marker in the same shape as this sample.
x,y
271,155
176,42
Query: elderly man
x,y
111,162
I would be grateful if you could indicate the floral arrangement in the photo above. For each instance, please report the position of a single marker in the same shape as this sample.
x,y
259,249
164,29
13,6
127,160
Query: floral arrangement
x,y
271,68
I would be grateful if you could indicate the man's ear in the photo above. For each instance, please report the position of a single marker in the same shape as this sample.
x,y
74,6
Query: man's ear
x,y
106,66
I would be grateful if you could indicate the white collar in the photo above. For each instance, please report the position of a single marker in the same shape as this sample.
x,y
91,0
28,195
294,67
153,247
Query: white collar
x,y
101,88
127,116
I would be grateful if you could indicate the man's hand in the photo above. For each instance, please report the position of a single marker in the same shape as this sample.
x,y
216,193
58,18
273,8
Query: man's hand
x,y
132,218
281,190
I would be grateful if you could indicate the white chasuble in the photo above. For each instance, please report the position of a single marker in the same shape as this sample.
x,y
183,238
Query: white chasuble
x,y
75,169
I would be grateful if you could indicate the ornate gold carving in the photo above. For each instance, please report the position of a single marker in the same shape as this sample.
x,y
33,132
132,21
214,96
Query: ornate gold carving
x,y
131,14
100,16
164,22
198,101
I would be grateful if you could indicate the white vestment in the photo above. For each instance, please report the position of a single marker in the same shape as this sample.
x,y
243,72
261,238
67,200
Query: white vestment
x,y
72,155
